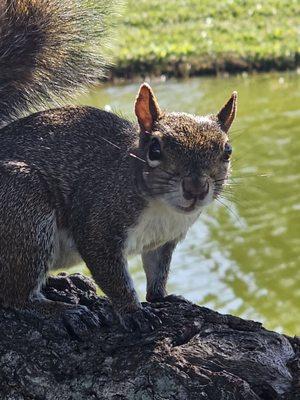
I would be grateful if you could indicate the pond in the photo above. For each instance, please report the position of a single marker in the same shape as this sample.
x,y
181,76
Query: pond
x,y
241,257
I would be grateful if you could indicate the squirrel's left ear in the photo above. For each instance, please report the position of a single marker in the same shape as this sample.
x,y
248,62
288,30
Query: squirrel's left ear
x,y
227,114
146,108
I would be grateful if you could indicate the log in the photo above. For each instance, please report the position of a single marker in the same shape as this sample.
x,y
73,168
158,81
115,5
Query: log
x,y
197,353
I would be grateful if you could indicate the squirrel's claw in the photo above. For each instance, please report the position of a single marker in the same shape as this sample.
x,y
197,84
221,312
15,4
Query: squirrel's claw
x,y
79,321
174,298
142,320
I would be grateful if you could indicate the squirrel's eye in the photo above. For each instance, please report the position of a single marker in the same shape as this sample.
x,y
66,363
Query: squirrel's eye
x,y
227,152
154,153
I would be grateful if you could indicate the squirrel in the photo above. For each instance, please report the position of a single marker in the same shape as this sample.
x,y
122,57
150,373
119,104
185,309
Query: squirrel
x,y
80,183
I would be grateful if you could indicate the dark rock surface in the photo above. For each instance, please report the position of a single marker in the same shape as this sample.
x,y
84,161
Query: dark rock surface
x,y
196,354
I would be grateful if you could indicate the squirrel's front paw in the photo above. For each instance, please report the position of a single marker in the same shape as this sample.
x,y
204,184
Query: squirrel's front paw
x,y
170,298
175,298
143,320
79,321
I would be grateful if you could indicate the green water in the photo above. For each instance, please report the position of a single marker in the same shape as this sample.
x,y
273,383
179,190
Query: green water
x,y
244,258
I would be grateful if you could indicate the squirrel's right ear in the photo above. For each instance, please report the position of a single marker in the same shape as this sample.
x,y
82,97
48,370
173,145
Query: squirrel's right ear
x,y
227,113
146,108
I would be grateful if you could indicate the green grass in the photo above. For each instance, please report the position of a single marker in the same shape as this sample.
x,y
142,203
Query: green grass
x,y
189,37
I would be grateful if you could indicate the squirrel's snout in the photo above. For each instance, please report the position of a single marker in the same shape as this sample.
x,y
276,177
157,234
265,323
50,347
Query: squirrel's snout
x,y
195,187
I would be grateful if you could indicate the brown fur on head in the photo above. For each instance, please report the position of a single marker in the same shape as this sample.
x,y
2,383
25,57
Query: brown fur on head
x,y
188,156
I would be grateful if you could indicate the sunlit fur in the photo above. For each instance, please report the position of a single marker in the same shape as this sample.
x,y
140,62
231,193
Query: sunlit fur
x,y
190,145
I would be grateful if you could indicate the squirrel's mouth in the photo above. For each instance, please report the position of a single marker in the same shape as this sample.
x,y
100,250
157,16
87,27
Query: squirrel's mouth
x,y
196,203
189,208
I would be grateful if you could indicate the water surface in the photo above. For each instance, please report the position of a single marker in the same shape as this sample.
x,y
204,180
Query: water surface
x,y
241,257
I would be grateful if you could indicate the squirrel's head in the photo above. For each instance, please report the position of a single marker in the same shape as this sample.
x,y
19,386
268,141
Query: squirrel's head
x,y
187,156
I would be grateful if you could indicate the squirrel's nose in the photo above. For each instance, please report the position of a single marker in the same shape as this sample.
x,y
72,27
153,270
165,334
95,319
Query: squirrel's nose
x,y
194,186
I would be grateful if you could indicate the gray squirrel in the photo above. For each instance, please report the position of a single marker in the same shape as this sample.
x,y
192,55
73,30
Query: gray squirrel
x,y
79,183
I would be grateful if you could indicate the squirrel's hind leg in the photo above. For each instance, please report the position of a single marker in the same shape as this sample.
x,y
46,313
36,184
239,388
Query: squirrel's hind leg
x,y
27,234
28,245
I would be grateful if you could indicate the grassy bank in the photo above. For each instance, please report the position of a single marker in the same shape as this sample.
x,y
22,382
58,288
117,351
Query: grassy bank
x,y
190,37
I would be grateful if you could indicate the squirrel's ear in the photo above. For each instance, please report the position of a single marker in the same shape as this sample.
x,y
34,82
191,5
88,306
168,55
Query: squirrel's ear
x,y
227,113
146,108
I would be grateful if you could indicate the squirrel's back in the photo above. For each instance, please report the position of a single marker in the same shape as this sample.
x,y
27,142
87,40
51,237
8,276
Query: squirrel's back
x,y
48,49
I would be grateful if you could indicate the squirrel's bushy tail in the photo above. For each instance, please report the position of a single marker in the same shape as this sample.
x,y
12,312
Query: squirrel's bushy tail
x,y
49,49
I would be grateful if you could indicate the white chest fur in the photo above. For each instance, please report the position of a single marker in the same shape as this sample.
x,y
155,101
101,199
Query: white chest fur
x,y
66,254
157,225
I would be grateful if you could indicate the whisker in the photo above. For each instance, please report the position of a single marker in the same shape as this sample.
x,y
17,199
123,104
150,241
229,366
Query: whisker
x,y
172,174
134,155
170,181
162,190
230,197
259,175
245,176
230,210
158,192
220,180
234,137
227,190
119,148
